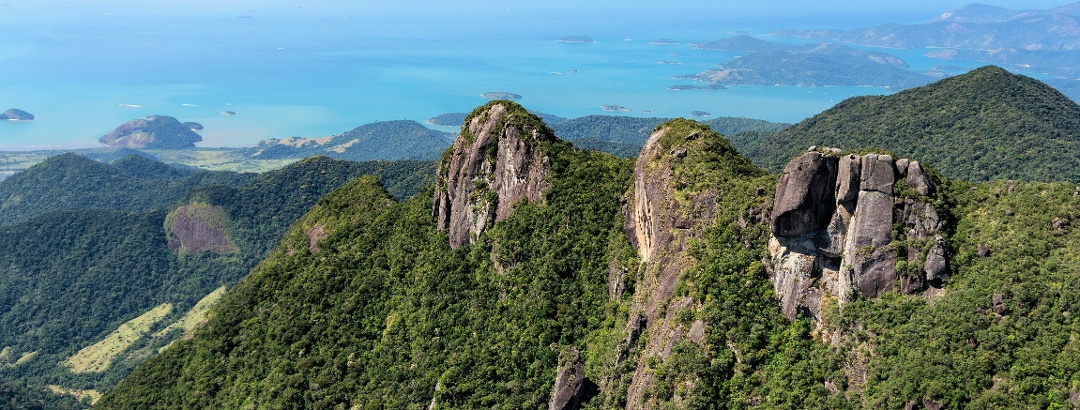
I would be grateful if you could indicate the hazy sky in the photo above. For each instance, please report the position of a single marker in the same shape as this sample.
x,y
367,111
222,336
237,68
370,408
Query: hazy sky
x,y
87,8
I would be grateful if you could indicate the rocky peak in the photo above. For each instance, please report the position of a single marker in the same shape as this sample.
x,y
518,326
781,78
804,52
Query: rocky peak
x,y
675,192
498,159
840,224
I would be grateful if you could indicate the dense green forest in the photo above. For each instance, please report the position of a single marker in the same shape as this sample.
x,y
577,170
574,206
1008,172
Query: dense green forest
x,y
15,396
987,124
385,312
72,182
379,312
72,277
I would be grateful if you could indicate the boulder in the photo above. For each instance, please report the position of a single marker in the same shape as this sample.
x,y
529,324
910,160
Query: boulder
x,y
805,195
848,179
878,173
832,230
917,179
569,377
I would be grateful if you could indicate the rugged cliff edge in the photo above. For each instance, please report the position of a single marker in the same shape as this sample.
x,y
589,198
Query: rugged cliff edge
x,y
497,160
853,224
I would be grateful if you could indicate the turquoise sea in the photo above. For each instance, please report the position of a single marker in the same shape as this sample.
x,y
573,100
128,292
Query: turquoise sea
x,y
319,70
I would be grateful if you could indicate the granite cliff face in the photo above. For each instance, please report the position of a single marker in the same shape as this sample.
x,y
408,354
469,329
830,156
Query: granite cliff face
x,y
853,224
674,200
497,160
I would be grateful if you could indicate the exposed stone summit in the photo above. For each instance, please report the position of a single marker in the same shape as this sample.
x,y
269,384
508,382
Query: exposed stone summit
x,y
853,224
498,159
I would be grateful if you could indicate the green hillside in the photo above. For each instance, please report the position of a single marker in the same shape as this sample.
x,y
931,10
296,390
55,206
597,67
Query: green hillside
x,y
384,312
624,136
15,396
72,182
73,278
987,124
364,305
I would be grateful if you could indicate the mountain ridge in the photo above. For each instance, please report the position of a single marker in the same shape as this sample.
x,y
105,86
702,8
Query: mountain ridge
x,y
986,124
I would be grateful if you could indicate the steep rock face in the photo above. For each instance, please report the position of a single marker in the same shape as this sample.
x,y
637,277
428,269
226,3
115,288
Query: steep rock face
x,y
835,224
804,195
153,132
568,380
674,200
497,160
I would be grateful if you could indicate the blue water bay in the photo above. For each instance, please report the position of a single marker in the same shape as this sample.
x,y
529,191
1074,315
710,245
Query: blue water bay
x,y
287,75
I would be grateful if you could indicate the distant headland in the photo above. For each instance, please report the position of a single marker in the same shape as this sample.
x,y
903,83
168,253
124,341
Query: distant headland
x,y
16,114
500,95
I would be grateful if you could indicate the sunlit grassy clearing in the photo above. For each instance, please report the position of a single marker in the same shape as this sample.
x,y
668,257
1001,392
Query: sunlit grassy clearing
x,y
196,314
98,357
93,395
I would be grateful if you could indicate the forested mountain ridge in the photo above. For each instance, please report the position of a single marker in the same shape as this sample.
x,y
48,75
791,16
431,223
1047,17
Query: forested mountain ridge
x,y
983,125
629,286
74,280
625,136
73,182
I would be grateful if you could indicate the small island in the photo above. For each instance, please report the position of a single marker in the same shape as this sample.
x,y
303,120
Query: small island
x,y
700,114
663,41
500,95
614,108
228,113
685,87
16,114
576,39
452,119
153,132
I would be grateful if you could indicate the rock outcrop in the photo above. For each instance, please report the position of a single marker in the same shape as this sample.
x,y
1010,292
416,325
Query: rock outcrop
x,y
566,394
198,227
674,200
153,132
498,159
853,224
15,114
